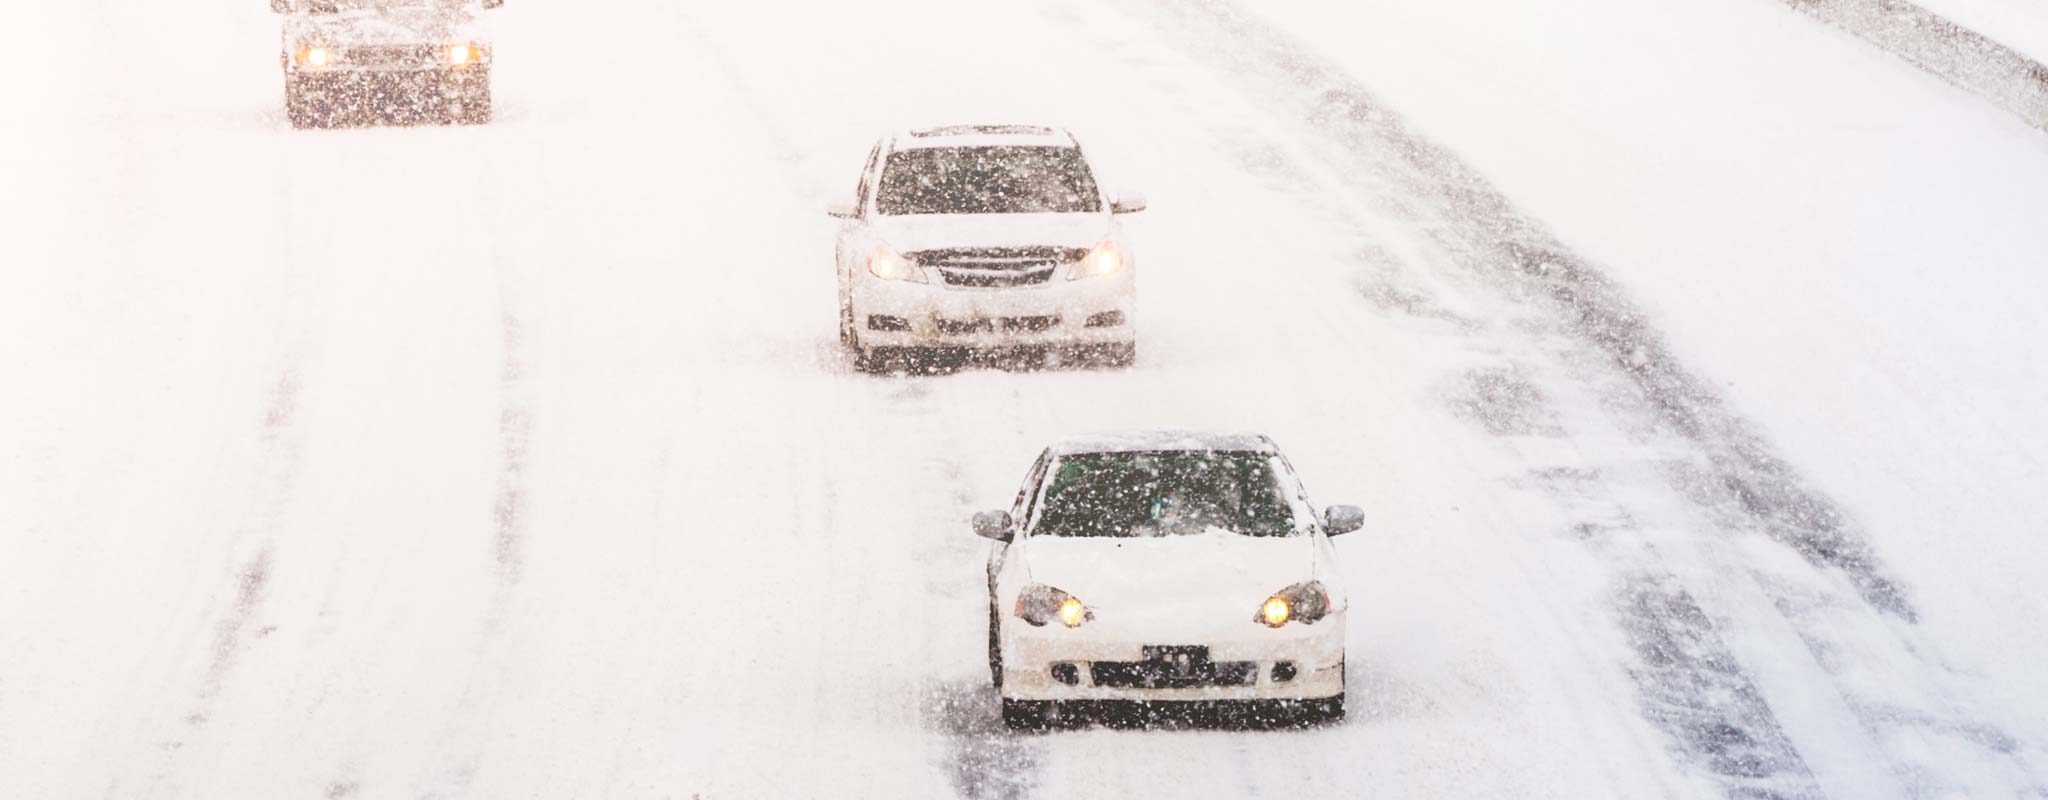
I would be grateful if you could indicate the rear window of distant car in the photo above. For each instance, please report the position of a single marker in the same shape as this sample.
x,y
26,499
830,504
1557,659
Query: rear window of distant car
x,y
1169,493
987,180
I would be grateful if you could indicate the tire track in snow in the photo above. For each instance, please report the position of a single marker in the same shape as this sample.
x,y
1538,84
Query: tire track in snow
x,y
1691,682
1691,685
985,760
511,498
515,432
278,468
1472,221
1695,691
1957,55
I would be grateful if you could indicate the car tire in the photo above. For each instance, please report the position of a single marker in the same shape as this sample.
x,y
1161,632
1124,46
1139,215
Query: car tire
x,y
995,649
1326,711
1027,715
846,338
870,360
865,360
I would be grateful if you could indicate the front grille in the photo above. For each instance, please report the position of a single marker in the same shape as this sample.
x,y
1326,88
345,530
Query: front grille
x,y
1162,675
965,327
997,267
392,56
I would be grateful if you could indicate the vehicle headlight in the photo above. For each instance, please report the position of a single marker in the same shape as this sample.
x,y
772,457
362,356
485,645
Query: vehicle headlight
x,y
889,265
1105,259
314,55
460,54
1039,604
1303,602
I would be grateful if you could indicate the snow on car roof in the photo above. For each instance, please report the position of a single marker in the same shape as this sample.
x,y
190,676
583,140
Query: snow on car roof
x,y
1154,441
984,136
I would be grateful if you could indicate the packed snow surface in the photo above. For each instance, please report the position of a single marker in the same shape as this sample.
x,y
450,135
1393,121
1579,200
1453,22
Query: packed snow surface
x,y
521,460
2018,24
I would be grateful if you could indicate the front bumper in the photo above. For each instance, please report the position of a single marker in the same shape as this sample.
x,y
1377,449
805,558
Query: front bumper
x,y
1091,311
388,93
1035,659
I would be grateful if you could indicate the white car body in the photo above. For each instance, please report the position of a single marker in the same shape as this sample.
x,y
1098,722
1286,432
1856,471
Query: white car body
x,y
983,280
1143,593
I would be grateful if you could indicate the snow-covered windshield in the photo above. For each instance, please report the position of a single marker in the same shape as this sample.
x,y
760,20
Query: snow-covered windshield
x,y
987,180
1171,493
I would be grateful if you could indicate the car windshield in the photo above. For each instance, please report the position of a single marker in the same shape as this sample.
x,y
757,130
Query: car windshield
x,y
987,180
1171,493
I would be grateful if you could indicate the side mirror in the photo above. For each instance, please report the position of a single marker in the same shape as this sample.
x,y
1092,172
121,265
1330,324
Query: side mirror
x,y
280,6
995,525
1127,203
842,209
1343,519
493,3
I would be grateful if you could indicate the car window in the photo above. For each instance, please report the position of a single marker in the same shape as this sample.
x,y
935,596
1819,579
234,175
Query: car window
x,y
987,180
1027,495
1170,493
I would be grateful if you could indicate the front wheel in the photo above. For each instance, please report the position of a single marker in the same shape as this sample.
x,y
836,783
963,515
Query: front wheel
x,y
871,360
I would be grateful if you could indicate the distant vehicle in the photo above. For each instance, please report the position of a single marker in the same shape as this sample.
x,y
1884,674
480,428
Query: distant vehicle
x,y
385,61
1165,567
980,237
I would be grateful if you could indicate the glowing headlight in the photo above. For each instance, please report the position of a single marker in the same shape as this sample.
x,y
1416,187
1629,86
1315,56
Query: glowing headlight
x,y
1073,613
314,56
1039,604
889,266
460,54
1303,602
1275,612
1103,260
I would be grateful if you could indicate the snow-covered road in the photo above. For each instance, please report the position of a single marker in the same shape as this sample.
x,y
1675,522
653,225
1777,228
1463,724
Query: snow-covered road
x,y
521,461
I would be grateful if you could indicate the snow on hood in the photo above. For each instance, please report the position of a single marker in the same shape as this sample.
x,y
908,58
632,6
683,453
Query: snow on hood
x,y
913,232
1169,581
389,26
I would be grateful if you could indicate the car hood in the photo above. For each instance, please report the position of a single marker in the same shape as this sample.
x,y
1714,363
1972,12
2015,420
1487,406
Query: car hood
x,y
914,232
374,27
1170,580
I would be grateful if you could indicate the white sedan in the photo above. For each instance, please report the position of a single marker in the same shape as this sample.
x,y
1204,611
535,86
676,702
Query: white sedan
x,y
1165,567
983,237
